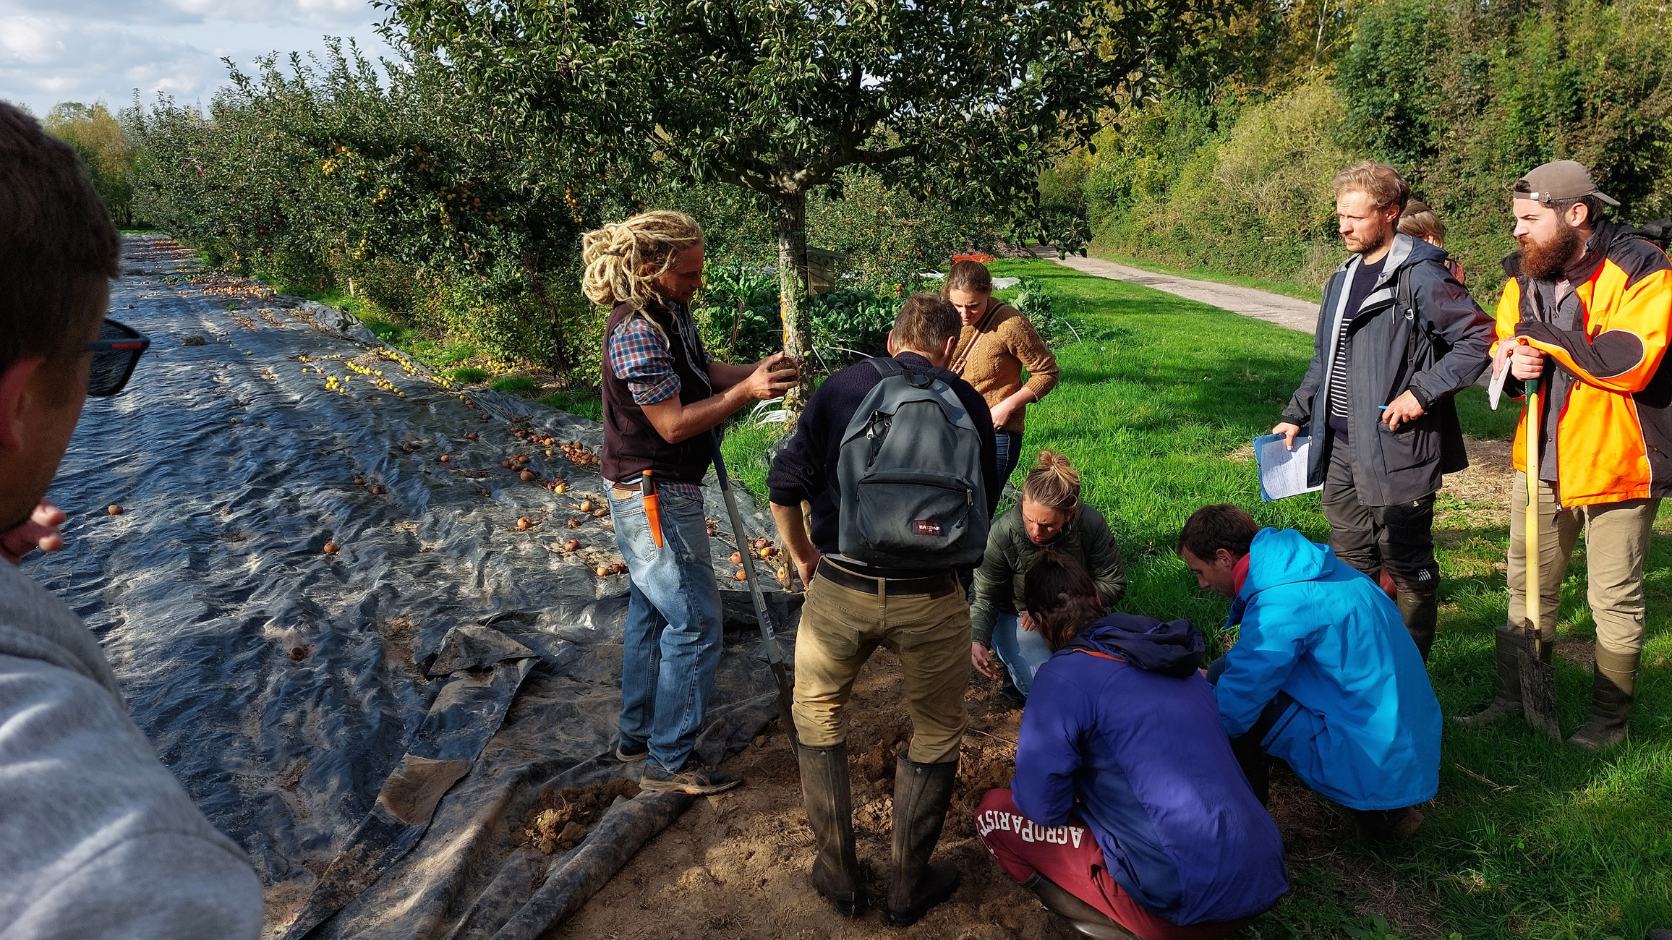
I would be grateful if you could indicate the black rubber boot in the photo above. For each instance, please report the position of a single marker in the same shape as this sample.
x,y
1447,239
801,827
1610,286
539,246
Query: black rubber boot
x,y
1507,701
825,792
1255,764
922,793
1088,921
1421,612
1613,686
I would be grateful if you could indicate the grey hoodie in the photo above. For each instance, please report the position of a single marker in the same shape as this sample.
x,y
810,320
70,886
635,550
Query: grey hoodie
x,y
97,838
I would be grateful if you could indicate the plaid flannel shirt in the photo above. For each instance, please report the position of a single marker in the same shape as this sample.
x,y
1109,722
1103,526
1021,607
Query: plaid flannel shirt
x,y
640,357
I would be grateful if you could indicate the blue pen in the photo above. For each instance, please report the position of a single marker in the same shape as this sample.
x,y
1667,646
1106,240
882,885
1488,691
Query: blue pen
x,y
1381,407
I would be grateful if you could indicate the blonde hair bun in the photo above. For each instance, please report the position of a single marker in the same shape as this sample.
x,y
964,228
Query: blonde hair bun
x,y
1053,482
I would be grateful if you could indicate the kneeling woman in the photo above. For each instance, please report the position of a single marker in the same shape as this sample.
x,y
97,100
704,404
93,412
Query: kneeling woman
x,y
1049,516
1128,810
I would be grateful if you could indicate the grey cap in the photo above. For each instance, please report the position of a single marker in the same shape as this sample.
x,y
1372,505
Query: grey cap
x,y
1560,181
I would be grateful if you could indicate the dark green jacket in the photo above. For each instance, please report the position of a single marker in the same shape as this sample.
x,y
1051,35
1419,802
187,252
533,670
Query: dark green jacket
x,y
1009,555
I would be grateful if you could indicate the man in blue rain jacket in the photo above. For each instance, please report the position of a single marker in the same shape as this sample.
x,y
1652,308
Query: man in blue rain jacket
x,y
1323,675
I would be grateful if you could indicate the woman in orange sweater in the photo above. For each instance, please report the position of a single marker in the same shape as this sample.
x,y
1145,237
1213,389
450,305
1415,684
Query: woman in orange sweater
x,y
996,344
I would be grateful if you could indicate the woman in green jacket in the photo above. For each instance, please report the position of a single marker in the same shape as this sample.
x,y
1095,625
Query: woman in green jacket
x,y
1050,515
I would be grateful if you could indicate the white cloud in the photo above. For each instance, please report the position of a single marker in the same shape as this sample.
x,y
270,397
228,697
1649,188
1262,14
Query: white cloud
x,y
26,40
104,50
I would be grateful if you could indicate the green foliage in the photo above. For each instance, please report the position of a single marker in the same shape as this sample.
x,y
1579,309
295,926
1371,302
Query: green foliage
x,y
850,324
334,174
738,310
98,138
1390,111
1232,173
514,385
886,235
466,375
1254,199
961,104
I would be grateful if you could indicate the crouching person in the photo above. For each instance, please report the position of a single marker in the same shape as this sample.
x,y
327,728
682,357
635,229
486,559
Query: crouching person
x,y
896,456
1128,812
1323,676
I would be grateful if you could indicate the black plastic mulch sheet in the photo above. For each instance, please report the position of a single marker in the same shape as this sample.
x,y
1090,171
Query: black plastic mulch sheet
x,y
373,725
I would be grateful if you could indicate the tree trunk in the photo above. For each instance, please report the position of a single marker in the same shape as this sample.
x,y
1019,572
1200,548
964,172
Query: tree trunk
x,y
789,218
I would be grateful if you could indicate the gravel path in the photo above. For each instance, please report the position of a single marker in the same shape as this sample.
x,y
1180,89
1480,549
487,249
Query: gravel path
x,y
1284,311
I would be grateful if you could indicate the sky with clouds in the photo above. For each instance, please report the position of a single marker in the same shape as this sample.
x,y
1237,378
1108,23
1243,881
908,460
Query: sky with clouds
x,y
102,50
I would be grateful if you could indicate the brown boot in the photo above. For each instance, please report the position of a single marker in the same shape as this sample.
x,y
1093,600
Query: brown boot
x,y
1506,661
922,793
1388,826
1613,686
825,792
1086,920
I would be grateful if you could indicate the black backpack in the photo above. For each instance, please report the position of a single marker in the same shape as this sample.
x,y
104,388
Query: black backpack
x,y
909,475
1659,232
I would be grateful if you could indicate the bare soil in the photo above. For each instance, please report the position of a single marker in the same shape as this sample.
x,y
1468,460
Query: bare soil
x,y
735,865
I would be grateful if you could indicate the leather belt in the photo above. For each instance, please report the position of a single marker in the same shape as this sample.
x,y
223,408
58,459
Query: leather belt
x,y
934,585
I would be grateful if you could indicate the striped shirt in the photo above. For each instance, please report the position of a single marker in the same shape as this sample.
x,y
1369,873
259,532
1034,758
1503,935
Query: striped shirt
x,y
1340,379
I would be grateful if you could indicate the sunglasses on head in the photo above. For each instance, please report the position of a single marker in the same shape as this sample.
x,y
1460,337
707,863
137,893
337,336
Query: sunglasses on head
x,y
115,353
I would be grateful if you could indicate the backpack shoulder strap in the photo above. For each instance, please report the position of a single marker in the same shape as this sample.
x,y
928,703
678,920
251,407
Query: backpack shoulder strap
x,y
886,366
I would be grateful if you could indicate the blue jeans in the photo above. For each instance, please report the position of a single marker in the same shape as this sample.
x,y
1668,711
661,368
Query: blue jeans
x,y
1008,446
1021,651
671,645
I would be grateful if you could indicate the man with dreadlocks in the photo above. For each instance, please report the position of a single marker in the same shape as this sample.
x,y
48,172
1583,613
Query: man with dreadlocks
x,y
663,396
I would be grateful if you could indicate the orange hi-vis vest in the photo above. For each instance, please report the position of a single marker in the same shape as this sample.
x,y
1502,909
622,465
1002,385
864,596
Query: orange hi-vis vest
x,y
1608,407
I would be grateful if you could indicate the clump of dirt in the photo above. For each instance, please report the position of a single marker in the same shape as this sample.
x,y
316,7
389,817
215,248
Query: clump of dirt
x,y
560,819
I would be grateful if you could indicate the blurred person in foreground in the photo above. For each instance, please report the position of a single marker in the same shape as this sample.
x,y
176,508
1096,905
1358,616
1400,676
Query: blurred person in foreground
x,y
97,838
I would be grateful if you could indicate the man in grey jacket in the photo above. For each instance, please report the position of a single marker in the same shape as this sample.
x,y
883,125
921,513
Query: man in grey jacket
x,y
1397,337
97,839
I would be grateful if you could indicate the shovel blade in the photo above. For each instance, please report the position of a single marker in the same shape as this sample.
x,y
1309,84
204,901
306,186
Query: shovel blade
x,y
1538,687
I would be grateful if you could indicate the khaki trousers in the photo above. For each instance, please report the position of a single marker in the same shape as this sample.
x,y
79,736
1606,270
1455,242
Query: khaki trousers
x,y
841,628
1616,543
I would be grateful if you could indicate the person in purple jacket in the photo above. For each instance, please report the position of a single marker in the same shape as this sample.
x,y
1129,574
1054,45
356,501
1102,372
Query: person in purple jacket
x,y
1128,813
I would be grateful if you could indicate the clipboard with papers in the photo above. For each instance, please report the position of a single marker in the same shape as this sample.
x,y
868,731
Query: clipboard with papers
x,y
1283,471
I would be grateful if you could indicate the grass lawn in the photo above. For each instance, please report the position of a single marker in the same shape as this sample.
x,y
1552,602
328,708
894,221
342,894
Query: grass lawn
x,y
1527,838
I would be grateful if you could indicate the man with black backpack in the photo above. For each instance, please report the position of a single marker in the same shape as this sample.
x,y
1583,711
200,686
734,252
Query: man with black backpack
x,y
896,457
1397,337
